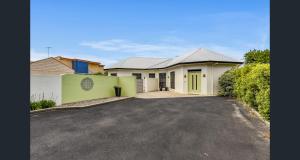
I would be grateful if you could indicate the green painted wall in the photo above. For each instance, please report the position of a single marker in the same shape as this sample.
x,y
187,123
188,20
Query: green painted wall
x,y
103,87
128,85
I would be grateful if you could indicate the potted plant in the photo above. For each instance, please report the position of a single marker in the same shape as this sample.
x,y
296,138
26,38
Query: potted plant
x,y
118,91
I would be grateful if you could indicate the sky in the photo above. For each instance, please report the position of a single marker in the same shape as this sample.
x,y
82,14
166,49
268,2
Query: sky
x,y
111,30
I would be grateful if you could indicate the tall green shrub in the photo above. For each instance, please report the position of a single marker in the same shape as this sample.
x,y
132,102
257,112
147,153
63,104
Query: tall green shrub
x,y
252,85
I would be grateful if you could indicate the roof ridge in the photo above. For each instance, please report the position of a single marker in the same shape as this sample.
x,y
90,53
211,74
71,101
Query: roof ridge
x,y
220,54
52,58
192,53
167,59
147,57
62,62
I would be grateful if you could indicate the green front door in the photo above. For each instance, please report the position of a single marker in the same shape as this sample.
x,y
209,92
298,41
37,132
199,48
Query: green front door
x,y
194,82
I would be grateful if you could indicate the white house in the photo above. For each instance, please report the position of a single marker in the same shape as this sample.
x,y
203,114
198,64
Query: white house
x,y
193,73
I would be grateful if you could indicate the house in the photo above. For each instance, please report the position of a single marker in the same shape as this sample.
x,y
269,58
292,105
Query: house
x,y
193,73
61,65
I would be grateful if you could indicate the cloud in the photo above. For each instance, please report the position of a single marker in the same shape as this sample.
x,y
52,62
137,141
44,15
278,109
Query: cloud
x,y
166,47
120,45
36,55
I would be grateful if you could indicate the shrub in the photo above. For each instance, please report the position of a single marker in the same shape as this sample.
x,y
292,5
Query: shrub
x,y
47,103
35,105
41,104
226,82
251,84
257,56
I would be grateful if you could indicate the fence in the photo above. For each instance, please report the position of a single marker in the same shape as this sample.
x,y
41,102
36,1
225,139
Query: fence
x,y
75,87
45,87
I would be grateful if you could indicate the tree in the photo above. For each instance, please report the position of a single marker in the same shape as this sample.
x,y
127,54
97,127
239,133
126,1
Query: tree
x,y
257,56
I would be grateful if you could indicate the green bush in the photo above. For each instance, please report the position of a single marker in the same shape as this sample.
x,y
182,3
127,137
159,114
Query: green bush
x,y
35,105
257,56
251,84
226,82
42,104
47,103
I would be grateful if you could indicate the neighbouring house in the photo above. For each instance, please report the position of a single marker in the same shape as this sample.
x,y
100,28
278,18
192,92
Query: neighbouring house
x,y
193,73
61,65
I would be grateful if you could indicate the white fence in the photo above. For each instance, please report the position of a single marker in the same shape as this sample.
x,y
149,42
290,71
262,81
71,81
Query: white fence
x,y
45,87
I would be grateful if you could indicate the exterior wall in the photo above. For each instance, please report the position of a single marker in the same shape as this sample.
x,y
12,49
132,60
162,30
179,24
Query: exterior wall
x,y
128,85
103,87
145,77
204,80
217,71
151,84
122,73
72,91
95,68
45,87
210,74
49,66
67,62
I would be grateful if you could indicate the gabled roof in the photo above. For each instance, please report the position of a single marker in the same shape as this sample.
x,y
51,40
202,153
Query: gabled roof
x,y
199,55
76,59
52,58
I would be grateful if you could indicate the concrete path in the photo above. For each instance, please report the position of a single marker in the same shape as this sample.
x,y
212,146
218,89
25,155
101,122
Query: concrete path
x,y
164,94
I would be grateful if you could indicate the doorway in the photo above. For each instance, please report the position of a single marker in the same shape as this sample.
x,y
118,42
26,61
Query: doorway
x,y
162,80
194,82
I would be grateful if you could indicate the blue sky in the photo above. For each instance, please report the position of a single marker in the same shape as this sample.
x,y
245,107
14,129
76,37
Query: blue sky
x,y
110,30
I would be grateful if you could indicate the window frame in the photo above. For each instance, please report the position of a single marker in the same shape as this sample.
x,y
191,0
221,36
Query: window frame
x,y
152,75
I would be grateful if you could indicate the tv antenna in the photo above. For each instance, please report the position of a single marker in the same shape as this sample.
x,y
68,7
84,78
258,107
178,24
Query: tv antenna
x,y
48,50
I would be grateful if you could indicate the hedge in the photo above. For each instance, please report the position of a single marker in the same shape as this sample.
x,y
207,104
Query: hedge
x,y
251,84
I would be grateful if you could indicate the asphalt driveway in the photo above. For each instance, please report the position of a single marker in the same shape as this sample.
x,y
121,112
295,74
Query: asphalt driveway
x,y
189,128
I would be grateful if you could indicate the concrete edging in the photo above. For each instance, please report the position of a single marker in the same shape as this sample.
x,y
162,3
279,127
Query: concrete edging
x,y
77,107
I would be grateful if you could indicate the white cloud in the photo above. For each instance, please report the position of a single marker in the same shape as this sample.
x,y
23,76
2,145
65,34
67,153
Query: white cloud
x,y
36,55
120,45
167,47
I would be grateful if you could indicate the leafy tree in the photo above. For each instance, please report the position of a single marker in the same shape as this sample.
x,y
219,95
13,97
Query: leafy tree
x,y
257,56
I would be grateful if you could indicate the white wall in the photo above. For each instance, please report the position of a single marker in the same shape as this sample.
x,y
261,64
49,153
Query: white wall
x,y
209,82
45,87
204,80
218,70
151,84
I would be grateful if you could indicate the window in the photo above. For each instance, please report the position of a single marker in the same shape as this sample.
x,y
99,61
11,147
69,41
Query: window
x,y
137,75
80,67
172,74
151,75
113,74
